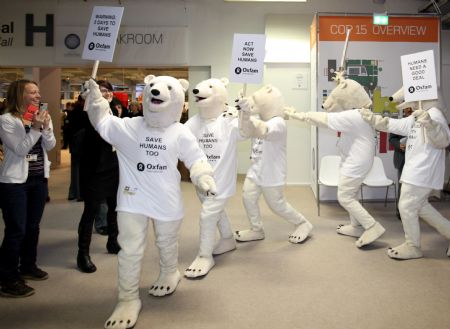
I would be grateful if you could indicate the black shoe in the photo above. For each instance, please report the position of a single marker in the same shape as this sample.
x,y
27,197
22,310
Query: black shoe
x,y
16,289
102,230
85,264
113,246
34,273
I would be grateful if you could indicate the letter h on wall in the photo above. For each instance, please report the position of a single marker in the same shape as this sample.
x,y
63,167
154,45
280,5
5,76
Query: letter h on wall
x,y
30,29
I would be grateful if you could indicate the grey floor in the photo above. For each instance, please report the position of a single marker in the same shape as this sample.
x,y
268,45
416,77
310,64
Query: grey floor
x,y
326,282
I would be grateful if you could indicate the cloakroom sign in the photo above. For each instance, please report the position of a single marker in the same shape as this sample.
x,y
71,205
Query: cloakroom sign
x,y
102,33
419,76
247,58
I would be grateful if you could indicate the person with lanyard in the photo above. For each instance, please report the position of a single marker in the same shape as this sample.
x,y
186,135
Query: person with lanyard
x,y
27,136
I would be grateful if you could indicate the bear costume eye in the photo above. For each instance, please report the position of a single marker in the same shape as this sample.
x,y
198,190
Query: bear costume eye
x,y
151,85
210,86
169,87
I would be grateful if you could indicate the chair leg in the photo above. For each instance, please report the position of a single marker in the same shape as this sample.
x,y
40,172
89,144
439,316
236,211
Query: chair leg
x,y
318,200
395,198
385,199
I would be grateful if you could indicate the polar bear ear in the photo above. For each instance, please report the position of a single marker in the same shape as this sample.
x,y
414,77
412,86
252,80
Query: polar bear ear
x,y
149,78
184,84
225,81
342,84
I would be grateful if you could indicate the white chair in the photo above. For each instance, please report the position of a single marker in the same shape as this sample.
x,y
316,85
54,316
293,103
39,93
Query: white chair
x,y
328,174
377,178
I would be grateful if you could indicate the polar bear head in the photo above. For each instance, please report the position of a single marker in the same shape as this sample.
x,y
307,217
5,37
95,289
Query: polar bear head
x,y
347,95
163,100
267,102
211,97
399,97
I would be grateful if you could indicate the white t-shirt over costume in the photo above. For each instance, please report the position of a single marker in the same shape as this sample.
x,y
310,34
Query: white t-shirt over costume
x,y
356,144
268,166
149,180
421,158
218,138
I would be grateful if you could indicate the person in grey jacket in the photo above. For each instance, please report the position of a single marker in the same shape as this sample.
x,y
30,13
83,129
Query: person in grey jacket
x,y
27,135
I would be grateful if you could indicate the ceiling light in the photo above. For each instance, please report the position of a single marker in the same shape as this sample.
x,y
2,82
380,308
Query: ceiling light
x,y
265,0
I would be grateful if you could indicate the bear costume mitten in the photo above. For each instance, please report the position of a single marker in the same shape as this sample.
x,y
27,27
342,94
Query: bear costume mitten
x,y
97,106
377,121
436,135
314,118
202,177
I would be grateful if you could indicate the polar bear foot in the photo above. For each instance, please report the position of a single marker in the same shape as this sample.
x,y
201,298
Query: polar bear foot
x,y
199,267
249,235
448,251
405,251
125,315
224,245
370,235
350,230
166,284
301,232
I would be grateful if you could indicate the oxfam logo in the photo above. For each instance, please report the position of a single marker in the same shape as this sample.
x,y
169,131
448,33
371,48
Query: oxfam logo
x,y
411,89
140,166
237,70
91,46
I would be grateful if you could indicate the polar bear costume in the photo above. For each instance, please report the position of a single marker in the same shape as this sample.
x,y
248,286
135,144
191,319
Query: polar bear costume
x,y
217,134
357,149
267,172
148,149
428,136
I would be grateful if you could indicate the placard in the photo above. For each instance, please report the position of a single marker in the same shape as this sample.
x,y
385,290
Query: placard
x,y
102,33
419,76
247,58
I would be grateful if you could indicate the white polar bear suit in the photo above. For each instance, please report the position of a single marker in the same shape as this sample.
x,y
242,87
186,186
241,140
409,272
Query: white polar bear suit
x,y
148,149
217,134
428,135
267,172
357,149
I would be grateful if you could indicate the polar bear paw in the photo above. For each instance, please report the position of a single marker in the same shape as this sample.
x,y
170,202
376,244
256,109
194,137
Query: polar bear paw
x,y
249,235
405,251
370,235
124,315
166,284
301,232
199,267
224,245
448,250
350,230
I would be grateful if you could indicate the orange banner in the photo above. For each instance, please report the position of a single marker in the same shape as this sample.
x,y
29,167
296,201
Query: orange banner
x,y
400,29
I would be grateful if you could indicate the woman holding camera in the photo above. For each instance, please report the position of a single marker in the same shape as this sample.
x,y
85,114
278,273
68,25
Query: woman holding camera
x,y
27,136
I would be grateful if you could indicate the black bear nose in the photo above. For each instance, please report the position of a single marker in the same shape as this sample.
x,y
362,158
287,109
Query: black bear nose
x,y
195,91
155,92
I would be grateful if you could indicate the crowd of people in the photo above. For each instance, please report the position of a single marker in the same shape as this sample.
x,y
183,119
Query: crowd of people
x,y
26,136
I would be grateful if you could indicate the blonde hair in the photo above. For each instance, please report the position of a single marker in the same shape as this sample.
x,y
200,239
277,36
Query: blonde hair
x,y
14,96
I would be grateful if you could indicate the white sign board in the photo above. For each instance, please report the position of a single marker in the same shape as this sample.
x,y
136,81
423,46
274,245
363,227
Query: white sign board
x,y
419,76
102,33
247,58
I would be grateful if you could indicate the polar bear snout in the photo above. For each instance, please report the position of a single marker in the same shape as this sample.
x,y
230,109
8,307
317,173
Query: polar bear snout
x,y
155,92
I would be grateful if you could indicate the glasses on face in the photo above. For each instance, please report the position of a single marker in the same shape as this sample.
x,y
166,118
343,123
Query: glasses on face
x,y
105,91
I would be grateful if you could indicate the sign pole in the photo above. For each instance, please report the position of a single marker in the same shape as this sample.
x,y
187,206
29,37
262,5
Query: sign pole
x,y
94,69
344,52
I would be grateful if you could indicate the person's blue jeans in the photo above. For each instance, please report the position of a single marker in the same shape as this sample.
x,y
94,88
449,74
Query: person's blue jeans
x,y
22,207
